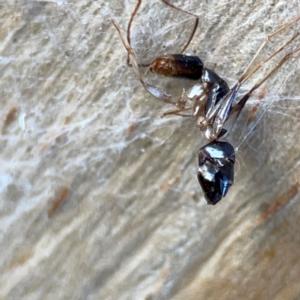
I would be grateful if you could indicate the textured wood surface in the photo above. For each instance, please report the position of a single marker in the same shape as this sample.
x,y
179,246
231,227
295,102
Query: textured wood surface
x,y
99,196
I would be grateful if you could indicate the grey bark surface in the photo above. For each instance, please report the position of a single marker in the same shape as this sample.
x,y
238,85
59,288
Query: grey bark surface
x,y
99,195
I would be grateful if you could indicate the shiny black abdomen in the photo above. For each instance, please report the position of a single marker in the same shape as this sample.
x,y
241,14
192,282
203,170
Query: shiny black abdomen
x,y
189,67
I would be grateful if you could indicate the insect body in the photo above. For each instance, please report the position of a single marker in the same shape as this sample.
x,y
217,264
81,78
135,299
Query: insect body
x,y
216,159
210,101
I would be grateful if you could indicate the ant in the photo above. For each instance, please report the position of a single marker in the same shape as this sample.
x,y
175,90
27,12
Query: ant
x,y
211,102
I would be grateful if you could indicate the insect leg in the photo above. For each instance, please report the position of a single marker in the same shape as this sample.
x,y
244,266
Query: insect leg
x,y
221,112
129,27
189,13
155,91
171,5
239,106
249,73
177,112
267,39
